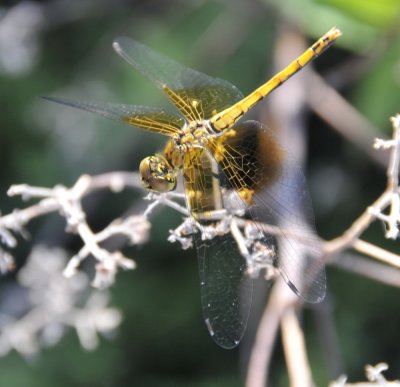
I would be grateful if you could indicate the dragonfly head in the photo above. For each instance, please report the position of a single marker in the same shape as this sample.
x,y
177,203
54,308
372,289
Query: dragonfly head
x,y
157,174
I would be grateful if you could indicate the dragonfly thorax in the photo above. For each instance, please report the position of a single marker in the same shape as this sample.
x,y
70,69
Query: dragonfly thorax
x,y
159,172
193,134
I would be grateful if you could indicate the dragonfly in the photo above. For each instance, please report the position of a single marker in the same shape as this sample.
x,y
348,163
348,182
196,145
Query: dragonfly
x,y
248,202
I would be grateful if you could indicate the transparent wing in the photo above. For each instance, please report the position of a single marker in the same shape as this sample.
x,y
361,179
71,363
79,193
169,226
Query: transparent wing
x,y
226,290
188,89
275,190
151,119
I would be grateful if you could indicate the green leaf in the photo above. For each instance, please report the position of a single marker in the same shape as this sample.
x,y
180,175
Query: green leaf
x,y
316,17
377,13
378,94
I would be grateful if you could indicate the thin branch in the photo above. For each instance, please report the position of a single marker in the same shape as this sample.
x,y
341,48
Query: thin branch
x,y
295,350
347,239
327,103
367,268
388,199
374,375
262,349
68,202
377,252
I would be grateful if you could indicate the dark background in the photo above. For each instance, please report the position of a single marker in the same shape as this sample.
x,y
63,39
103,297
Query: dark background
x,y
64,47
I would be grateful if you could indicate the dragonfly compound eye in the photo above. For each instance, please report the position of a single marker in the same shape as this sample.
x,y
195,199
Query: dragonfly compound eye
x,y
157,174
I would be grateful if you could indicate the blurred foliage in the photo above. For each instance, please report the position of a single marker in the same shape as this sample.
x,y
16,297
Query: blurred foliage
x,y
163,340
382,83
379,13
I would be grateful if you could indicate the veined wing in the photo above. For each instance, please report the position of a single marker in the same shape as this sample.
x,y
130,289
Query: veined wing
x,y
196,95
151,119
276,194
226,290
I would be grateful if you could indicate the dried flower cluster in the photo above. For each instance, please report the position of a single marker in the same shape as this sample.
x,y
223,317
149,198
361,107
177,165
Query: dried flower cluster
x,y
46,304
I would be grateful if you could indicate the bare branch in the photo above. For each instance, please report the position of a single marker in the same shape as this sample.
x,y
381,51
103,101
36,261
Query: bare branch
x,y
261,352
342,116
389,199
367,268
377,253
295,350
68,202
373,374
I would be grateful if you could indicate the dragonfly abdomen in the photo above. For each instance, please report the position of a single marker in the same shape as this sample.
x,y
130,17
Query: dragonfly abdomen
x,y
227,118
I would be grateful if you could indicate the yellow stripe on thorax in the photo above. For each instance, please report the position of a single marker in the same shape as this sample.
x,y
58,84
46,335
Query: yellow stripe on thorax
x,y
229,116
